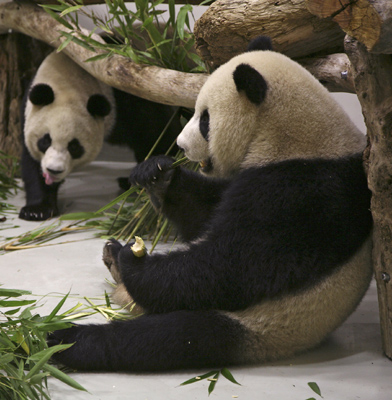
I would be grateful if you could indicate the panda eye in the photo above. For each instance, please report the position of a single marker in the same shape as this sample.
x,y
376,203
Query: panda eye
x,y
44,143
204,124
75,149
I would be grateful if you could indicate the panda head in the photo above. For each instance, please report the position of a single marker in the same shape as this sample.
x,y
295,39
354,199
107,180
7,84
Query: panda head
x,y
60,131
262,107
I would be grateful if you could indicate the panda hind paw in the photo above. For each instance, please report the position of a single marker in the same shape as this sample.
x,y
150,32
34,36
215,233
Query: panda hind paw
x,y
110,256
38,212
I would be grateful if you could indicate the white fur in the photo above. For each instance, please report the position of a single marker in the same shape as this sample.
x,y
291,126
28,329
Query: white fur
x,y
67,117
298,118
283,327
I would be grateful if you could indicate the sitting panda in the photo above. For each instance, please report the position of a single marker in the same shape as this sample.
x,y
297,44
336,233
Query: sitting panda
x,y
277,229
67,113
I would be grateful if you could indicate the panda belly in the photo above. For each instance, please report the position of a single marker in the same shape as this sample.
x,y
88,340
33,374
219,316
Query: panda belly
x,y
281,328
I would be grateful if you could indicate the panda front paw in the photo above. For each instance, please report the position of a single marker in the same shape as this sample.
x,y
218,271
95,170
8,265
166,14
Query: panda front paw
x,y
128,261
38,212
155,175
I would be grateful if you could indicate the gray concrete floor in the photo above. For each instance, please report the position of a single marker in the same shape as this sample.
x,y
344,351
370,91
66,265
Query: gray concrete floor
x,y
349,365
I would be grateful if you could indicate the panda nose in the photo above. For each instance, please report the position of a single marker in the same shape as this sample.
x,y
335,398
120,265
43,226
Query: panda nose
x,y
54,172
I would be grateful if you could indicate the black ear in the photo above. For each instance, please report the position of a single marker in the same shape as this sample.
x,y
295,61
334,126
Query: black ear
x,y
41,94
260,43
98,105
250,81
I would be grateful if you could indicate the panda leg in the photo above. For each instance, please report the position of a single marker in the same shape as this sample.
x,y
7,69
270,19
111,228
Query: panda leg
x,y
181,339
41,199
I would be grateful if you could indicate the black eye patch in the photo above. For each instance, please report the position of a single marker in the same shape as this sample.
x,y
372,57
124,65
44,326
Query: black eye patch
x,y
204,124
75,149
44,143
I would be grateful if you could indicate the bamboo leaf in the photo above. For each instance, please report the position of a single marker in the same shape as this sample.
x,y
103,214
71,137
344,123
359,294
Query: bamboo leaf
x,y
42,357
15,303
13,292
181,18
214,380
56,309
57,17
61,376
70,9
228,375
63,45
315,388
198,378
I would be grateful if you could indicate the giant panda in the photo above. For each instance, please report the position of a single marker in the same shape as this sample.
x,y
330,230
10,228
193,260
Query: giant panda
x,y
276,229
67,114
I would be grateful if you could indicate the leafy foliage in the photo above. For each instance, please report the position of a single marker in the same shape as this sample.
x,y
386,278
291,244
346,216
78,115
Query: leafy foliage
x,y
141,35
213,377
24,354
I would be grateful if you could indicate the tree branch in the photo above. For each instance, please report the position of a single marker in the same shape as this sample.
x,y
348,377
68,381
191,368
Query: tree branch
x,y
149,82
152,83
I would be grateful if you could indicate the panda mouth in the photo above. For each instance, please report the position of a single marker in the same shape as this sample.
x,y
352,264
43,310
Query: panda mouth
x,y
206,165
50,179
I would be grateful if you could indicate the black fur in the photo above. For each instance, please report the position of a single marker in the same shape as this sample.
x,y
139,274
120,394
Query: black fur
x,y
41,95
260,43
204,124
152,343
41,199
250,81
98,105
270,231
44,143
140,122
75,149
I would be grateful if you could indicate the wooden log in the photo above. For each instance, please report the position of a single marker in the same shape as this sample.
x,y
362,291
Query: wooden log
x,y
226,28
19,58
369,21
373,83
152,83
92,2
333,71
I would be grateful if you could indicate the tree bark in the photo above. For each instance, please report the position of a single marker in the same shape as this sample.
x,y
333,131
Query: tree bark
x,y
226,28
373,82
369,21
333,71
19,58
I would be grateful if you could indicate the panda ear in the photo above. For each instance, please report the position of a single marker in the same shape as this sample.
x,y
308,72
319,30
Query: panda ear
x,y
98,105
41,94
260,43
250,81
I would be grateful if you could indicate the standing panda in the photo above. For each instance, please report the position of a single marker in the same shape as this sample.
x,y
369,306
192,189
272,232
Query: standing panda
x,y
277,229
67,115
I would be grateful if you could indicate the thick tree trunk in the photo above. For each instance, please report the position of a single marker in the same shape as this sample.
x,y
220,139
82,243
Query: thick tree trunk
x,y
373,82
19,59
369,21
225,29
